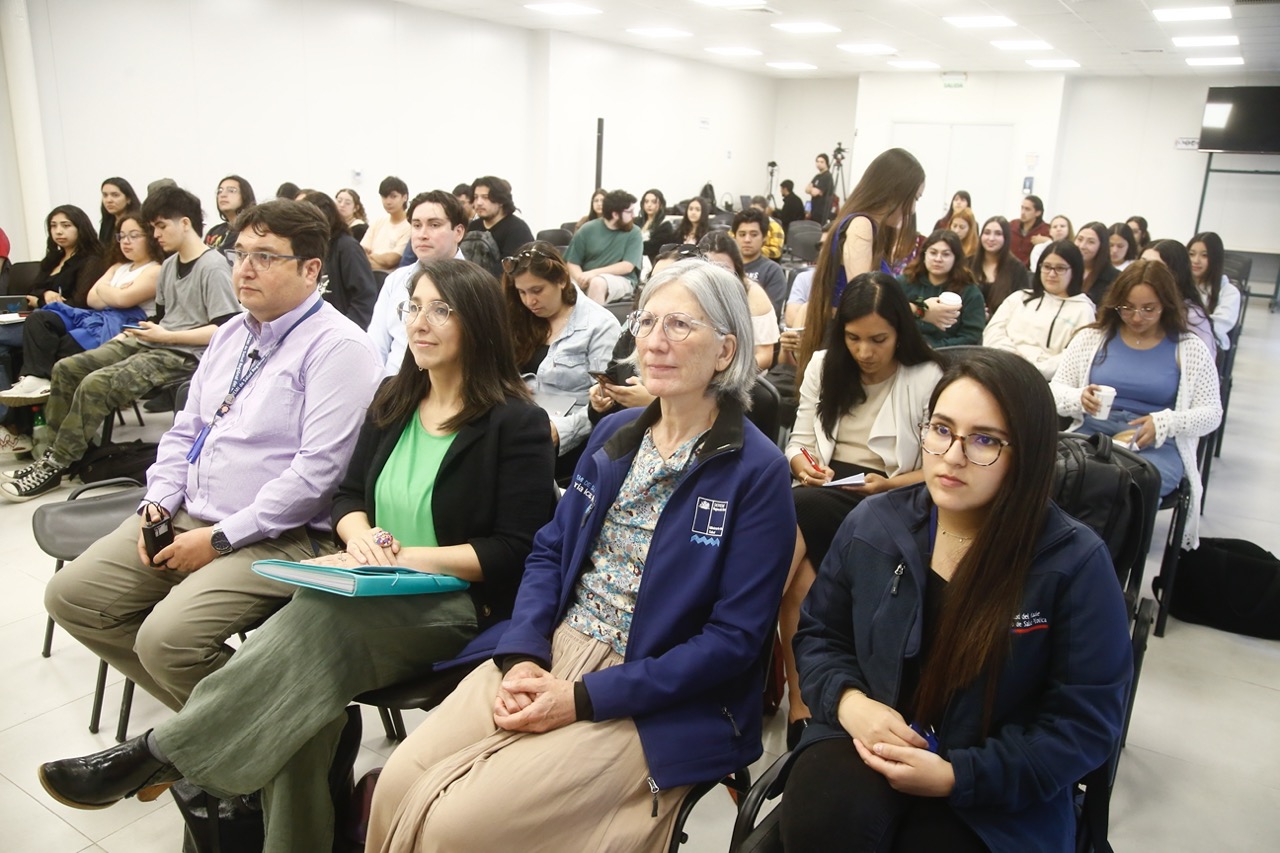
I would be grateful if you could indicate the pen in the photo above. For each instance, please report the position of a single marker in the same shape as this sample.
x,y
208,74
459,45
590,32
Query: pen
x,y
812,461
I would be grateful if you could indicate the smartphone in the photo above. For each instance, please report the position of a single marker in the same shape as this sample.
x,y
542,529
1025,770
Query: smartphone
x,y
601,377
134,326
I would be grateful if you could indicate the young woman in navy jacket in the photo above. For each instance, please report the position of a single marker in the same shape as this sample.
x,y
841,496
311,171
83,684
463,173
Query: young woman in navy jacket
x,y
965,647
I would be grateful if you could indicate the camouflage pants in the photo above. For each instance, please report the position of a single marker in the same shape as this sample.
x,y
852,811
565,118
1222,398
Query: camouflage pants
x,y
86,388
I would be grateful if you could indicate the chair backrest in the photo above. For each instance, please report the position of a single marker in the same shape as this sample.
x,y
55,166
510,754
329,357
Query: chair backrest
x,y
1237,268
65,529
22,276
558,237
570,226
766,408
803,240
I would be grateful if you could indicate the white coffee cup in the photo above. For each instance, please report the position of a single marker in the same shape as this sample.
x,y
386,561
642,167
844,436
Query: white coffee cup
x,y
950,298
1106,396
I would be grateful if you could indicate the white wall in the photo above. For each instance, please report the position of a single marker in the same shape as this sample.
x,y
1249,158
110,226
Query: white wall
x,y
318,91
669,123
1029,103
11,218
1118,160
812,116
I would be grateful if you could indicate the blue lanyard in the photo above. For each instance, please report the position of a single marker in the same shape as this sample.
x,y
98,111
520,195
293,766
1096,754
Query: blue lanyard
x,y
242,378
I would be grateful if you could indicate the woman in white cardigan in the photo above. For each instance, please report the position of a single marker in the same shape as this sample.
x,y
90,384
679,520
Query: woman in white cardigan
x,y
1037,323
1165,380
861,404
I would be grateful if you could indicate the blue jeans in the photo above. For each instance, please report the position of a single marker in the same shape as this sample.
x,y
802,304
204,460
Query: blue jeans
x,y
1166,458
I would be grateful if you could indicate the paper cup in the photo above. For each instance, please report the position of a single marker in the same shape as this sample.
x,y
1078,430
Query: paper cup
x,y
950,298
1106,396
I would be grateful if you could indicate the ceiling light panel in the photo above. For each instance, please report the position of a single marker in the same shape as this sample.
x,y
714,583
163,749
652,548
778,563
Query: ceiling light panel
x,y
1025,44
805,27
1200,61
868,49
1206,41
980,22
1195,13
563,10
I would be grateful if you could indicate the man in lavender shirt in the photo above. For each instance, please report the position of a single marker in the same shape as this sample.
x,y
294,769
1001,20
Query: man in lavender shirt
x,y
251,483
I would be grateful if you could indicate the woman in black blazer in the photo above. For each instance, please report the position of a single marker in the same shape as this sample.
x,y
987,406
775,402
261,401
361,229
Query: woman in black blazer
x,y
452,473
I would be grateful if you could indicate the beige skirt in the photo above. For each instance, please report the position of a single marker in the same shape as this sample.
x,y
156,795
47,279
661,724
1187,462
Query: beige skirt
x,y
459,783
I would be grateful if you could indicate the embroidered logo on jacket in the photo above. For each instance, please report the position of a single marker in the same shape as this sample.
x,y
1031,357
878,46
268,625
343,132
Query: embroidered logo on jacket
x,y
708,521
1025,623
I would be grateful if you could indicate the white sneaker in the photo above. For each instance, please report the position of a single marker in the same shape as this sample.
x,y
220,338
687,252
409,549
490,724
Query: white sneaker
x,y
14,443
27,391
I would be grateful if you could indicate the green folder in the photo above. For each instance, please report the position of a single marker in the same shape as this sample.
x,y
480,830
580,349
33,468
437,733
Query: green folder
x,y
362,581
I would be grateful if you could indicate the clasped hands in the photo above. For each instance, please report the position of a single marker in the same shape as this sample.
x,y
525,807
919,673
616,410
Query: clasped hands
x,y
889,746
530,699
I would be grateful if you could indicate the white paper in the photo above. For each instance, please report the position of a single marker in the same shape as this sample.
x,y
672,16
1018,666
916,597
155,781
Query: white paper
x,y
855,480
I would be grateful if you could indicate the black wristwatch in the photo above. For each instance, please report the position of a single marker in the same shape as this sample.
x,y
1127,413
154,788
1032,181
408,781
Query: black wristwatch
x,y
220,542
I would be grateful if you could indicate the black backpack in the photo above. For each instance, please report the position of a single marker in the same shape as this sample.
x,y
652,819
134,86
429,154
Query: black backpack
x,y
128,459
481,249
1114,491
1231,585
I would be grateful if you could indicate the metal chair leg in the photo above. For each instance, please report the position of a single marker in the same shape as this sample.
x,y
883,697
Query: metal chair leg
x,y
126,705
96,714
48,639
137,413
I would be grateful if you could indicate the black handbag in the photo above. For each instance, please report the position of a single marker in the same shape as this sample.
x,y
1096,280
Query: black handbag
x,y
1231,585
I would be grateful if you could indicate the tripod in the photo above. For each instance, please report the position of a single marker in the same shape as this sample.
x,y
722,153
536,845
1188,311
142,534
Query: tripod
x,y
772,169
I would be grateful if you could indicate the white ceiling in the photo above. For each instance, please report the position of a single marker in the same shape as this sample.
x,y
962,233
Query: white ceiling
x,y
1107,37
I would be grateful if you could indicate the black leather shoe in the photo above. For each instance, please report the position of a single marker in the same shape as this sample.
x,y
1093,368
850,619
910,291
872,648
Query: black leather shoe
x,y
104,778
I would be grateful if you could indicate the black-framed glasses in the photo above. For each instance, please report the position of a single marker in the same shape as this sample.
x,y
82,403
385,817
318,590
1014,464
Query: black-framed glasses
x,y
677,325
1145,311
129,236
979,448
257,261
437,313
510,262
1055,269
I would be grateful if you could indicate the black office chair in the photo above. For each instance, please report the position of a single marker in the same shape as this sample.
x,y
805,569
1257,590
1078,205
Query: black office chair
x,y
558,237
63,531
22,276
803,241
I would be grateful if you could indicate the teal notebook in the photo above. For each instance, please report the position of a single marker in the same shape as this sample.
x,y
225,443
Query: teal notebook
x,y
361,581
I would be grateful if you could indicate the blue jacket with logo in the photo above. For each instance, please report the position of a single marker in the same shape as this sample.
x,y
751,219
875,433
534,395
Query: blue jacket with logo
x,y
1060,698
707,601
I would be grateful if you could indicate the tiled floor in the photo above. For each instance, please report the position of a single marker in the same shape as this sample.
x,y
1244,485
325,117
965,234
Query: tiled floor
x,y
1201,771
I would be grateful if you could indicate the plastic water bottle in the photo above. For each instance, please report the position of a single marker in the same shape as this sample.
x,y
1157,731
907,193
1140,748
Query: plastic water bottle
x,y
40,437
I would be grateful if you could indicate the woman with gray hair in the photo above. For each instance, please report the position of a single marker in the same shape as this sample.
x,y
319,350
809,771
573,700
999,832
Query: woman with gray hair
x,y
632,667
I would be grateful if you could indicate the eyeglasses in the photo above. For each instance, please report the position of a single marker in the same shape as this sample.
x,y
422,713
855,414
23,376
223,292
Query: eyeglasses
x,y
510,262
1145,311
939,254
228,190
1055,269
257,261
130,236
436,312
980,449
677,326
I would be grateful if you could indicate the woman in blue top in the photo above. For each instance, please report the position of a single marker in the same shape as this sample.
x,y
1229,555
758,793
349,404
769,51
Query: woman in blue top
x,y
633,664
1165,381
965,648
874,230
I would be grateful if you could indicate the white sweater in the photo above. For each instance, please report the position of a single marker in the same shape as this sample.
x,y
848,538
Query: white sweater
x,y
1197,410
1038,328
895,435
